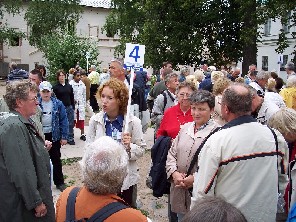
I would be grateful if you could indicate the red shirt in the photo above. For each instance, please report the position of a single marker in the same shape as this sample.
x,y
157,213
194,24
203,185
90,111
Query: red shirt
x,y
172,119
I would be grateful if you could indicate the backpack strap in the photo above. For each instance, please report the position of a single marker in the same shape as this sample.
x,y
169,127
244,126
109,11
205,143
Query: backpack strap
x,y
165,101
194,159
105,212
70,208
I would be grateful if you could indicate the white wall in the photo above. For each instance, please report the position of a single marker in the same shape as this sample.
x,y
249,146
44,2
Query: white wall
x,y
90,24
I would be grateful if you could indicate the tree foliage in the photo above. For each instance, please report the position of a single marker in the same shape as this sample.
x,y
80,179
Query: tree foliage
x,y
11,7
186,31
50,17
65,51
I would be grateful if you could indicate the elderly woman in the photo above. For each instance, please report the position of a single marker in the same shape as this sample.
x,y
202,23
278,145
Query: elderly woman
x,y
284,121
179,114
289,93
218,88
24,162
184,147
104,167
272,95
111,121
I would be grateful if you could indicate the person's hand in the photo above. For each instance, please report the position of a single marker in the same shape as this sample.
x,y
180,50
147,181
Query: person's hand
x,y
40,210
178,178
188,181
63,142
48,145
126,141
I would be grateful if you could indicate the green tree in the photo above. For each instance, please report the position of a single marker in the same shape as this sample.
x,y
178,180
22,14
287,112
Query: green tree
x,y
12,7
51,17
182,31
64,51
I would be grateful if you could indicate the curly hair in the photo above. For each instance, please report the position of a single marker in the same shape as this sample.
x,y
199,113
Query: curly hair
x,y
18,90
220,85
120,92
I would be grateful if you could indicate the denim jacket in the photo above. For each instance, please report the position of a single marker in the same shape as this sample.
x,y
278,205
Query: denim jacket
x,y
60,126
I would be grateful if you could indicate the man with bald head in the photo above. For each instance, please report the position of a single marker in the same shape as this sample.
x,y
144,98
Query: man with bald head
x,y
239,163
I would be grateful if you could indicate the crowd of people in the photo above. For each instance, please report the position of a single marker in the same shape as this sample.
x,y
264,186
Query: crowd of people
x,y
230,142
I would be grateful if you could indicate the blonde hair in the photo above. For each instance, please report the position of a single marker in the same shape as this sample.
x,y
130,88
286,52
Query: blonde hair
x,y
240,79
215,75
220,85
284,121
271,84
199,75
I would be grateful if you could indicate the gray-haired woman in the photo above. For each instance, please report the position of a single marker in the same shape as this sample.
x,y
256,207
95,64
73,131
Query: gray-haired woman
x,y
24,163
104,167
184,147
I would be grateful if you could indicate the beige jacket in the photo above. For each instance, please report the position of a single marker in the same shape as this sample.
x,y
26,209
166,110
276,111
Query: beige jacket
x,y
239,165
97,129
179,158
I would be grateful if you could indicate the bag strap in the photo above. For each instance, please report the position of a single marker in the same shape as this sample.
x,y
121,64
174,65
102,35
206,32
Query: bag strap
x,y
277,151
70,208
194,159
105,212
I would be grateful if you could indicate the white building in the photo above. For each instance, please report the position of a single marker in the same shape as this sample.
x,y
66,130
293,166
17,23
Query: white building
x,y
90,24
267,57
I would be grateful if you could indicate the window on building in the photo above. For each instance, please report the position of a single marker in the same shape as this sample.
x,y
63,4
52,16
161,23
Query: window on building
x,y
285,60
286,27
15,41
265,63
71,27
267,27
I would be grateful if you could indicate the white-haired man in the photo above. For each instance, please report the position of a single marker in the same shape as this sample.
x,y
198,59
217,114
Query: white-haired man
x,y
260,82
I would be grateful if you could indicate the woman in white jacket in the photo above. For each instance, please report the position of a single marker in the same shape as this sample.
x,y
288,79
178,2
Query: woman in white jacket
x,y
111,121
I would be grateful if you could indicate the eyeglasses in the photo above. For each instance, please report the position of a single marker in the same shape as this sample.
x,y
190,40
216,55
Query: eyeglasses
x,y
185,94
33,99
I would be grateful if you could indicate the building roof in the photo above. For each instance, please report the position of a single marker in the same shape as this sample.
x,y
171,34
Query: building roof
x,y
96,3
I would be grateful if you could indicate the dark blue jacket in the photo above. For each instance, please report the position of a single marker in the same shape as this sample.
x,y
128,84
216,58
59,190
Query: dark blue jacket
x,y
159,153
60,125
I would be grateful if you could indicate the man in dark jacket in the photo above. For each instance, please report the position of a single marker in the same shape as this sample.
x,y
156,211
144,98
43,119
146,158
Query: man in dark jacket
x,y
16,73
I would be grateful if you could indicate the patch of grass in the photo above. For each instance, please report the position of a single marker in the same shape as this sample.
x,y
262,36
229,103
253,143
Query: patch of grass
x,y
158,205
71,182
69,161
144,212
65,176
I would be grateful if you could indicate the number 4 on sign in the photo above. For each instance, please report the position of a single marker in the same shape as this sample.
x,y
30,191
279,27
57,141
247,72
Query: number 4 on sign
x,y
135,53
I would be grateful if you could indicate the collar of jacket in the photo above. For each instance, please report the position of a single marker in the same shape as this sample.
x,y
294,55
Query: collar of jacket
x,y
201,133
238,121
100,118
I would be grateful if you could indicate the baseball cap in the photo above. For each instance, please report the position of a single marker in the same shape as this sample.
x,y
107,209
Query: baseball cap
x,y
45,86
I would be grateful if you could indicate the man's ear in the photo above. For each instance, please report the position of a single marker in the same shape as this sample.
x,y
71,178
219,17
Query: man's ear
x,y
19,103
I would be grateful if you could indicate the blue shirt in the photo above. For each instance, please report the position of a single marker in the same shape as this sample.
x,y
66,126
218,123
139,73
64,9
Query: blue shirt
x,y
114,128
